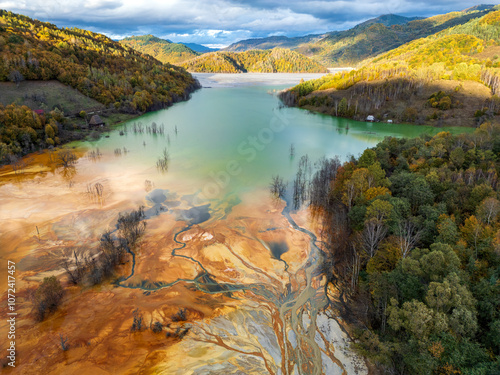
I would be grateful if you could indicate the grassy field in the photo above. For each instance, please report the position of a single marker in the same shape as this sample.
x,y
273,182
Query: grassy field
x,y
47,95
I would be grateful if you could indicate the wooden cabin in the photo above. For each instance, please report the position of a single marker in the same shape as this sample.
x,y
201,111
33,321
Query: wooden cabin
x,y
96,121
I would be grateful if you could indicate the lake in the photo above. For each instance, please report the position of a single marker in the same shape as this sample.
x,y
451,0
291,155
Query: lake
x,y
240,267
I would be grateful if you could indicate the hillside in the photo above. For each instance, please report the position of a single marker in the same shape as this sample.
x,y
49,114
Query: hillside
x,y
374,36
413,250
161,49
92,63
272,42
115,76
450,78
277,60
382,34
302,41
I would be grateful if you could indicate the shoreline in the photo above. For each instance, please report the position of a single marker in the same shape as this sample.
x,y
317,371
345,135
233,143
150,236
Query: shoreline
x,y
86,133
467,98
209,80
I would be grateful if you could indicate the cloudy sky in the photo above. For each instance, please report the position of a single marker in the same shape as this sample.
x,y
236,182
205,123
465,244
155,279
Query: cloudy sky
x,y
220,22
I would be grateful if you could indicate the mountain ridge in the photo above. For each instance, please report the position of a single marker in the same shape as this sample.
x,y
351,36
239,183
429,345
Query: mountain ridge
x,y
367,39
163,50
199,47
450,77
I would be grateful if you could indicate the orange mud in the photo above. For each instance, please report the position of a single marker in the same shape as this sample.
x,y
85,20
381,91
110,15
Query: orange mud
x,y
244,328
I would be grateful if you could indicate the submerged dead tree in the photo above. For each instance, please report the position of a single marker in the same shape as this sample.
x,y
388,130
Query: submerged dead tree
x,y
163,161
76,269
95,191
409,234
277,187
301,182
66,158
93,268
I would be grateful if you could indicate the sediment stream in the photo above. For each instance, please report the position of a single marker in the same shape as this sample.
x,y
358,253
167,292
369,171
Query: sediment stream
x,y
243,267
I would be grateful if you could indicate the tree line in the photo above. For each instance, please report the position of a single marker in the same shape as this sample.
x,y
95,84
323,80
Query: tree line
x,y
412,228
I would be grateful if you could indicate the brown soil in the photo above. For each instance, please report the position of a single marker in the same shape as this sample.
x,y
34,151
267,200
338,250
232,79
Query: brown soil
x,y
489,53
97,320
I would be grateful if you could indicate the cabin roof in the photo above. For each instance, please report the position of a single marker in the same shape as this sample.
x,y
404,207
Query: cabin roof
x,y
96,120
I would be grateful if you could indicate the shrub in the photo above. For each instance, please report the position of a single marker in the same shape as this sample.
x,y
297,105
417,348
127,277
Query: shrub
x,y
409,114
132,225
137,324
180,316
48,296
157,327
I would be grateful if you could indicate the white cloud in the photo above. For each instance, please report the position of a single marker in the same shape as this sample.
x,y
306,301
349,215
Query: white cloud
x,y
219,21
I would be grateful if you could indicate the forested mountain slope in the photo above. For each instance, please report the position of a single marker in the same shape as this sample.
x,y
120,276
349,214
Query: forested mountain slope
x,y
451,77
114,75
384,33
277,60
413,231
92,63
161,49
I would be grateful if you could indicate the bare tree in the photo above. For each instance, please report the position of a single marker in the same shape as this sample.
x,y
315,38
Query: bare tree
x,y
354,266
278,187
66,158
16,77
63,341
408,236
374,231
301,182
350,193
320,183
132,225
99,189
489,209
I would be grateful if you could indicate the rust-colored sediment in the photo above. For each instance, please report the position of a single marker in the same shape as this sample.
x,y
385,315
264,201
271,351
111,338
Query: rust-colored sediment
x,y
267,320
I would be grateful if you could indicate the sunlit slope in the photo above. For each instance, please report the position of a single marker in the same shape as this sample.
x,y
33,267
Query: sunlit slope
x,y
92,63
161,49
277,60
462,61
